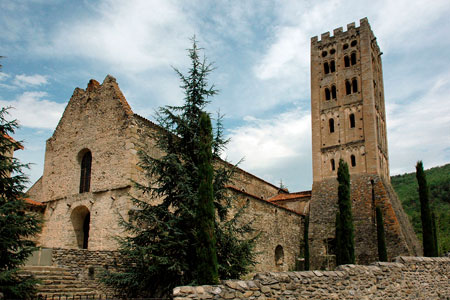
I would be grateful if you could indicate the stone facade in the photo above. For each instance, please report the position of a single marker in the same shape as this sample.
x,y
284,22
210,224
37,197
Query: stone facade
x,y
407,278
82,211
349,123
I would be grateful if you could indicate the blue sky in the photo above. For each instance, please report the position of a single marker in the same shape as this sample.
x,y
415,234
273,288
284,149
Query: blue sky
x,y
261,52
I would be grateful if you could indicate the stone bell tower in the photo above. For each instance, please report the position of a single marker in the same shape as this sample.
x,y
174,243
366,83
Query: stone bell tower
x,y
349,123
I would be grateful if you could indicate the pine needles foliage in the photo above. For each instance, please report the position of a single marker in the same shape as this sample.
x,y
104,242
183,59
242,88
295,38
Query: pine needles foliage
x,y
17,226
427,223
345,250
170,243
381,239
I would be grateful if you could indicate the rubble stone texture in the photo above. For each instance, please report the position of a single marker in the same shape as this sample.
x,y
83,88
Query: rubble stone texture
x,y
406,278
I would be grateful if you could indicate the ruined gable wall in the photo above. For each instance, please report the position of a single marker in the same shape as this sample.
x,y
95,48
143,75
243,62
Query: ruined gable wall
x,y
96,119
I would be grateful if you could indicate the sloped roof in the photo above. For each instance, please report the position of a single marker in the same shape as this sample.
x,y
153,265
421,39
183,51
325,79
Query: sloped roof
x,y
16,144
305,195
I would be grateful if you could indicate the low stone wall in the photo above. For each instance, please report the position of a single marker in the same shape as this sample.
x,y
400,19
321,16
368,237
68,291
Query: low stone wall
x,y
86,265
407,278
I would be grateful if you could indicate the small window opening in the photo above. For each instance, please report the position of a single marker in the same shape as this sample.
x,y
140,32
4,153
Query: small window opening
x,y
85,176
331,125
332,51
355,85
330,246
279,256
333,165
352,120
326,68
332,66
324,53
346,61
353,43
348,87
333,92
345,46
353,58
327,93
353,160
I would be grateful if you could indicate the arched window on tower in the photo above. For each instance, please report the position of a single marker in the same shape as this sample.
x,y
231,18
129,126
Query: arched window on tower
x,y
326,68
327,94
85,177
332,66
348,87
346,61
333,92
333,165
352,120
353,160
355,85
353,58
331,125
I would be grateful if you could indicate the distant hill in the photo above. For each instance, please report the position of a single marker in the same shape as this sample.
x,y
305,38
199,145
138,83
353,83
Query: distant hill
x,y
438,179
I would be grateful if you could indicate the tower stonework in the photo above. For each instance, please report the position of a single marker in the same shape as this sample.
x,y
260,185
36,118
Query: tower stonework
x,y
349,123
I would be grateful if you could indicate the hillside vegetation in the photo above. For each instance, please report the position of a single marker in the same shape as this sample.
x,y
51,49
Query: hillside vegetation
x,y
438,179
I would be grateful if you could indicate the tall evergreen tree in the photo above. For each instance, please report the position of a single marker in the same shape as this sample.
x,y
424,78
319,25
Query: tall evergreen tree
x,y
163,246
306,241
207,268
435,235
16,225
345,252
338,238
427,224
381,239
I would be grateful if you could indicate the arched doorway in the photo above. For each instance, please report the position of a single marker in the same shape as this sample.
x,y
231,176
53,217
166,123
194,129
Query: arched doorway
x,y
81,218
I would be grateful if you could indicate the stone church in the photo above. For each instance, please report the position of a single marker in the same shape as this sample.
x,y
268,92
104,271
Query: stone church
x,y
91,159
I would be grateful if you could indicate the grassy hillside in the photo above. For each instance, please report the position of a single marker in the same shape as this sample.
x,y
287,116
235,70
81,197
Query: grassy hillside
x,y
439,183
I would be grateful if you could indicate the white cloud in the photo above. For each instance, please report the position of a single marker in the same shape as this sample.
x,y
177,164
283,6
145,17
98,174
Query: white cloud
x,y
130,35
32,110
3,76
274,149
30,80
420,129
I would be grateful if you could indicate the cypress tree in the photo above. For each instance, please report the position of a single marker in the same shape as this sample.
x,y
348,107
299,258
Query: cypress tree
x,y
306,242
382,252
17,226
338,239
345,253
435,237
425,213
207,270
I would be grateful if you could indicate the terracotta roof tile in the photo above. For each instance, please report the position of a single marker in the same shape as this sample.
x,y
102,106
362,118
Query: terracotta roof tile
x,y
291,196
34,203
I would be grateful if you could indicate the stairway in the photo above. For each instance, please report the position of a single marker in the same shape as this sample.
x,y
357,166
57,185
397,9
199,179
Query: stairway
x,y
56,281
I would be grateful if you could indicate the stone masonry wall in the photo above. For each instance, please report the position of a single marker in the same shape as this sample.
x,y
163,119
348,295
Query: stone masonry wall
x,y
367,191
279,228
407,278
88,265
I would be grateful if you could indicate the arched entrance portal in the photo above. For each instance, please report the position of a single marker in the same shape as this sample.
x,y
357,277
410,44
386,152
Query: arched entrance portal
x,y
81,218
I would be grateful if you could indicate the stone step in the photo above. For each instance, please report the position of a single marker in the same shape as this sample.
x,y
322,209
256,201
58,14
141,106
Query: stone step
x,y
58,281
43,268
